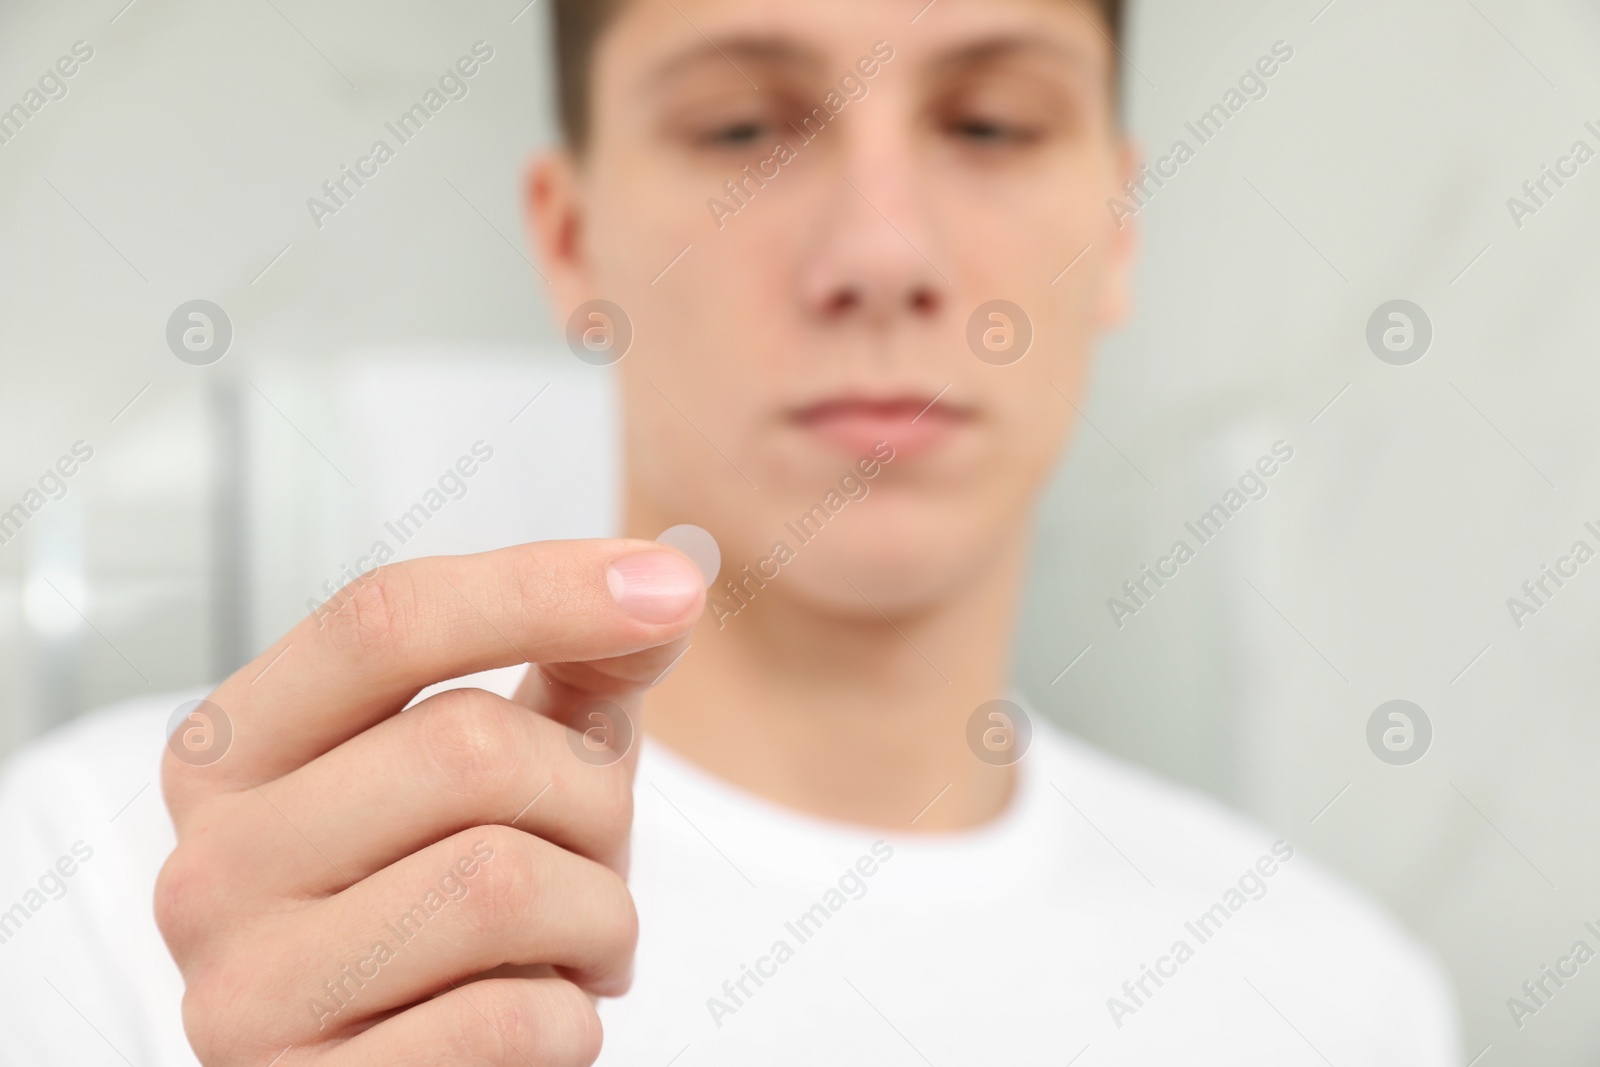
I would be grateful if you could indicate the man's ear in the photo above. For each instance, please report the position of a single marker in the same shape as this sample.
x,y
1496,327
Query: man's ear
x,y
1122,247
553,209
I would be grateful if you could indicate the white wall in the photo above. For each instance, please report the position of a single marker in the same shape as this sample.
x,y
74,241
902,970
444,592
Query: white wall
x,y
1377,167
1379,565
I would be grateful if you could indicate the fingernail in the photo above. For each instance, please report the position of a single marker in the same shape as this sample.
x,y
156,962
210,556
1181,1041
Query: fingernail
x,y
654,586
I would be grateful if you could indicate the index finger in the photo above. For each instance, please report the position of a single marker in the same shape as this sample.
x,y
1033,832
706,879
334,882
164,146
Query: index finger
x,y
408,625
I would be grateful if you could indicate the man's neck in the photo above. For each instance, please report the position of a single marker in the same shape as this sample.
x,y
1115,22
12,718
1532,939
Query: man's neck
x,y
858,718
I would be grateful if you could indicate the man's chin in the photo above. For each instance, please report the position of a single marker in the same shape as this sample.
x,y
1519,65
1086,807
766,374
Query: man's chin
x,y
898,579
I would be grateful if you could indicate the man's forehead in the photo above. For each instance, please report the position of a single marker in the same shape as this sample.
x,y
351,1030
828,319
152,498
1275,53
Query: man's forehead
x,y
682,35
778,50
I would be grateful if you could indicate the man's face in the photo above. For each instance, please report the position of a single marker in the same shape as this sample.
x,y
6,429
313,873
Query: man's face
x,y
930,164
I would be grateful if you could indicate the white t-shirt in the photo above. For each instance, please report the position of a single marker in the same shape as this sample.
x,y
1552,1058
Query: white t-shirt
x,y
1105,918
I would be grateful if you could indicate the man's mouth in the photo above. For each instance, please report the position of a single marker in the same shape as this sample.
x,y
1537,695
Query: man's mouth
x,y
912,424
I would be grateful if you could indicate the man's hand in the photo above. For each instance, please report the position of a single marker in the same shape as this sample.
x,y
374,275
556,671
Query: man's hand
x,y
446,885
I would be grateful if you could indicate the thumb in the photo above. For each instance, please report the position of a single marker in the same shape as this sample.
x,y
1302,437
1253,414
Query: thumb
x,y
601,698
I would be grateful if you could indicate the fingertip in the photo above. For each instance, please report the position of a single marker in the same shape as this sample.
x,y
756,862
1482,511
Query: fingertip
x,y
656,586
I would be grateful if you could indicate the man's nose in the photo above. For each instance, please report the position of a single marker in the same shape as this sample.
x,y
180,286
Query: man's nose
x,y
870,259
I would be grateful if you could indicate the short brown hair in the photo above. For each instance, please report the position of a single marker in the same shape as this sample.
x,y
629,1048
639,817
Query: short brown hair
x,y
578,25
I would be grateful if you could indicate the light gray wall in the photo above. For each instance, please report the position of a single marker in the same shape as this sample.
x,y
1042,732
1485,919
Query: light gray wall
x,y
1376,167
1378,567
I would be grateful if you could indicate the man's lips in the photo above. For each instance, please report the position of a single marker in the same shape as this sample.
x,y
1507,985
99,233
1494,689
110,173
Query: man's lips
x,y
911,424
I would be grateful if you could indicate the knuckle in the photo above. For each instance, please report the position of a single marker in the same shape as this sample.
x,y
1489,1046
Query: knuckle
x,y
198,1027
472,739
213,1002
370,616
183,886
506,885
615,935
199,1022
167,899
489,1023
503,1021
571,1012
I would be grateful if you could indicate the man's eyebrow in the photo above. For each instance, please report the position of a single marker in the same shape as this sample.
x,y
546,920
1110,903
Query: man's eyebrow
x,y
747,48
1009,46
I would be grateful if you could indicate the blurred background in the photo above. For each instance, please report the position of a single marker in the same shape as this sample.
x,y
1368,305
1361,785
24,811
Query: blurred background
x,y
374,346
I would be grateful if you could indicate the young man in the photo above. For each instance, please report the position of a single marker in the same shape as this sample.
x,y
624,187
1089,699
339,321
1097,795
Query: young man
x,y
830,236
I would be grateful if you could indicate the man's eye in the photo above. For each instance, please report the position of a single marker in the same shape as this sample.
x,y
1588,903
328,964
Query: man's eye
x,y
736,135
990,131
